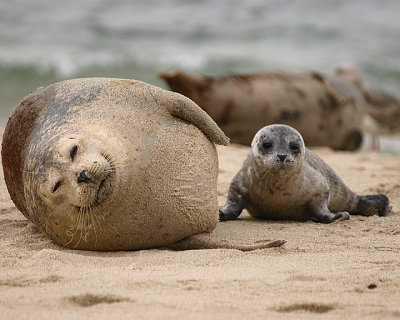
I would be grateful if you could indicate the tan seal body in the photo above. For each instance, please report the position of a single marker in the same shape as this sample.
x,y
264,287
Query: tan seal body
x,y
282,179
325,109
112,164
382,106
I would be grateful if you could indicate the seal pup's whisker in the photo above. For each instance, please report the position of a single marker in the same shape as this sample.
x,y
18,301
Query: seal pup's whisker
x,y
264,179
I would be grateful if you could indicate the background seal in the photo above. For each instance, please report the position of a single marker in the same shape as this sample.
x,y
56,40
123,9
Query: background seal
x,y
327,110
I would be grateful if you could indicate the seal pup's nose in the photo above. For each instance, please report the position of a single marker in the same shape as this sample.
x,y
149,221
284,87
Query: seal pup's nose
x,y
282,157
83,177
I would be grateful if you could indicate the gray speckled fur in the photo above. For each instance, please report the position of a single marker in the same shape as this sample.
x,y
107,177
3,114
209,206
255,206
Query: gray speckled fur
x,y
300,187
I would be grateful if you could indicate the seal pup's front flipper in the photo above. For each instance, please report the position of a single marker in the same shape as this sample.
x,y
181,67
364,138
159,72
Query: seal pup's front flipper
x,y
206,241
230,211
183,108
321,213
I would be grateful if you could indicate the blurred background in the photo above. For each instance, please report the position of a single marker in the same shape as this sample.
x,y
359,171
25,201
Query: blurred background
x,y
44,41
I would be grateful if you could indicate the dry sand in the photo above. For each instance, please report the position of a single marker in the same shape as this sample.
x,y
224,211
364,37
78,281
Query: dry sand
x,y
345,270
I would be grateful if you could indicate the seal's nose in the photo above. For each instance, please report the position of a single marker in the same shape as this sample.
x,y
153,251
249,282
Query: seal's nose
x,y
83,177
282,157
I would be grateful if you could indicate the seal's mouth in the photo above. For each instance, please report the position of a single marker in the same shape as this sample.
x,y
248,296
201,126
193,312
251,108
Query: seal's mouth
x,y
102,183
104,186
103,190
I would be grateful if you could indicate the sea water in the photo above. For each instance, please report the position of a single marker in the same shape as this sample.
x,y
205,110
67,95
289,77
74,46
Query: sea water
x,y
44,41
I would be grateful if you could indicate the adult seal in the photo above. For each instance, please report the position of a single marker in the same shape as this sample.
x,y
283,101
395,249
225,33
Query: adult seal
x,y
327,110
382,106
282,179
112,164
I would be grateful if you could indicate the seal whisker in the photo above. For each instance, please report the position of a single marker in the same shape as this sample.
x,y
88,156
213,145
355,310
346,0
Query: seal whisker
x,y
264,179
33,172
69,234
262,175
76,245
72,234
95,224
87,224
80,224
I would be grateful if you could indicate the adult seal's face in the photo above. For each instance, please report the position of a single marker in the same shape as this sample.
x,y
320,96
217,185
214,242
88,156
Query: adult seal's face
x,y
80,173
74,181
278,149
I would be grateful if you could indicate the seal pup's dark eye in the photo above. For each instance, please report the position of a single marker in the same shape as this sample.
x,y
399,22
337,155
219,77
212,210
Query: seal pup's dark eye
x,y
57,186
294,147
267,145
73,152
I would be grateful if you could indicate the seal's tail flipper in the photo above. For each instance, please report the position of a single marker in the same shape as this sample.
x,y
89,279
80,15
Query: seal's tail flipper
x,y
373,204
205,241
183,108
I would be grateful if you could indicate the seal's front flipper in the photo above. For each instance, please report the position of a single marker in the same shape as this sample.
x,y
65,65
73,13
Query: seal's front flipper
x,y
373,204
329,217
183,108
320,213
207,241
230,211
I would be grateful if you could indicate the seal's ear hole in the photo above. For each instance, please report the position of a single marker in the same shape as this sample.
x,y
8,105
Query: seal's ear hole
x,y
73,152
57,186
294,147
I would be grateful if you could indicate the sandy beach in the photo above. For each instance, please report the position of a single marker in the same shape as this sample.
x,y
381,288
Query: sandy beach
x,y
344,270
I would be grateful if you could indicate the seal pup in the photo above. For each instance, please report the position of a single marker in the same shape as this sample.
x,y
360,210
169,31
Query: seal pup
x,y
327,110
113,164
282,179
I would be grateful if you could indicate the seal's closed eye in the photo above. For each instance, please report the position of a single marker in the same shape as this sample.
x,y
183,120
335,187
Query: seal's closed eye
x,y
57,186
73,152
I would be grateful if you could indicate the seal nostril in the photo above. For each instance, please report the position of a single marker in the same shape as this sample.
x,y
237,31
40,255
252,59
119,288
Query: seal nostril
x,y
282,157
84,177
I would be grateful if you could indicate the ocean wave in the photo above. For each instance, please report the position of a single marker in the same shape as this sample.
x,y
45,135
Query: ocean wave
x,y
44,41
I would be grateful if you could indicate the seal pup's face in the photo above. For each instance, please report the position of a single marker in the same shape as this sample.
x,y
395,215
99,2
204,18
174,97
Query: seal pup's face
x,y
278,148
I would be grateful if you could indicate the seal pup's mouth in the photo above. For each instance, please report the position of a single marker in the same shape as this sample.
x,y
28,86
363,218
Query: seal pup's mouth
x,y
278,165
